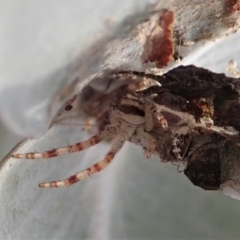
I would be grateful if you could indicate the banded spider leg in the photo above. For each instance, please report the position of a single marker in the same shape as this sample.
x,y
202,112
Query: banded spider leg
x,y
116,146
110,131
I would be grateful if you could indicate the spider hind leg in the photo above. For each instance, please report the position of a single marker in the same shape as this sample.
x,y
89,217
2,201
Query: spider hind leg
x,y
97,167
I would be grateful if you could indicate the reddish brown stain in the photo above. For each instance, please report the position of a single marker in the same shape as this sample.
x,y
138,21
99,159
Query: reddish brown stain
x,y
233,5
159,47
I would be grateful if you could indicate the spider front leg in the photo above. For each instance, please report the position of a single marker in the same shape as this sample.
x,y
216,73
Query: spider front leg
x,y
109,132
152,113
116,146
148,143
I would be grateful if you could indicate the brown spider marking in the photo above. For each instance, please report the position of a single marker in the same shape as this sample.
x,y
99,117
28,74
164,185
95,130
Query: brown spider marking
x,y
80,176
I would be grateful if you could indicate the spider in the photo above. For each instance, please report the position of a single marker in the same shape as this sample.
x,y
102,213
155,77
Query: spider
x,y
131,118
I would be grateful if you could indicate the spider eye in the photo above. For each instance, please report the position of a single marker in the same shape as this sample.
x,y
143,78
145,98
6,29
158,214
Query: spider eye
x,y
68,108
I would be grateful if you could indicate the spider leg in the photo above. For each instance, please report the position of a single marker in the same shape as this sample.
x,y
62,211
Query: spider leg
x,y
142,80
149,108
153,114
108,132
148,142
116,146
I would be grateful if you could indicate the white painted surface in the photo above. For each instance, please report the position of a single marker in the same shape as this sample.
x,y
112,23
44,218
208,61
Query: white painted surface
x,y
131,199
